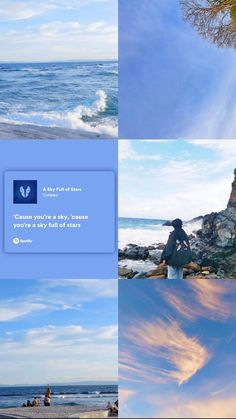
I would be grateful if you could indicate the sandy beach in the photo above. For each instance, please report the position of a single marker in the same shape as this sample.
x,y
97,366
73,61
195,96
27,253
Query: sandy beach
x,y
35,132
51,412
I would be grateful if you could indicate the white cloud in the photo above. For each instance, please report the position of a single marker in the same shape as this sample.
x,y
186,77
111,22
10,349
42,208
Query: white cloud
x,y
26,9
127,152
59,353
89,288
182,186
58,39
11,310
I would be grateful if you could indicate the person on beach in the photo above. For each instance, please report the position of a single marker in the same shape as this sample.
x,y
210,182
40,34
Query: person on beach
x,y
47,398
47,401
36,402
112,409
177,252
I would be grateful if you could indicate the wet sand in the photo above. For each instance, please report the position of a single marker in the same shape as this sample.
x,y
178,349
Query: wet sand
x,y
50,412
34,132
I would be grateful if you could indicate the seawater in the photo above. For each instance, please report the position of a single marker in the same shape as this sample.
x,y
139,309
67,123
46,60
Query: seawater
x,y
146,232
84,396
74,95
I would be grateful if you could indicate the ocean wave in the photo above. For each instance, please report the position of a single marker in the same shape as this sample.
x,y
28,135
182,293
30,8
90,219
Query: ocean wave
x,y
83,118
152,234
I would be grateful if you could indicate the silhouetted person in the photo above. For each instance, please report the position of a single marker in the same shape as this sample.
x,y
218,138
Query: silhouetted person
x,y
177,252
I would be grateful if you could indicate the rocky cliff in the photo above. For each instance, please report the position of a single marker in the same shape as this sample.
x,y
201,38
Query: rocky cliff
x,y
213,247
215,243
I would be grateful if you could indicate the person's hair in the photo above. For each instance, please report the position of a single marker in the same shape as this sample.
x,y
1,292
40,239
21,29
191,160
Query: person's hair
x,y
177,223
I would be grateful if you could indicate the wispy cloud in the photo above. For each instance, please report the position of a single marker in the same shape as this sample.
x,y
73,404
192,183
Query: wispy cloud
x,y
211,297
53,295
215,408
205,300
56,33
11,309
25,9
165,340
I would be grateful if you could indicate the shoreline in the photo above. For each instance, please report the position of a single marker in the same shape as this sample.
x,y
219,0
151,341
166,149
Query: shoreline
x,y
143,262
51,412
37,132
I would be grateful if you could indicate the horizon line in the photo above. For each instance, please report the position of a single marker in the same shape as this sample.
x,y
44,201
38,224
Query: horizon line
x,y
61,61
92,383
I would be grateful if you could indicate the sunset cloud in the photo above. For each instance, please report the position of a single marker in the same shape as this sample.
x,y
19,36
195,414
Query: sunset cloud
x,y
166,341
211,296
216,408
206,299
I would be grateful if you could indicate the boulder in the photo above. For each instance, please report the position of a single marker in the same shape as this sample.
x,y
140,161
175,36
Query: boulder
x,y
121,254
160,271
167,223
160,246
126,273
155,256
136,253
193,267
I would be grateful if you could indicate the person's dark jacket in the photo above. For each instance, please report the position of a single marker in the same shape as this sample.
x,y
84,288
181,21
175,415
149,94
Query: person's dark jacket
x,y
177,234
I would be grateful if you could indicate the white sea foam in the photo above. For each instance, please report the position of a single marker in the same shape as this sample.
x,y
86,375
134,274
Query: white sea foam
x,y
82,118
156,234
138,265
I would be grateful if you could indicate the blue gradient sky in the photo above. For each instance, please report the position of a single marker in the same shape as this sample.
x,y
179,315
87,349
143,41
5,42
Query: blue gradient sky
x,y
173,83
182,179
177,349
58,331
58,30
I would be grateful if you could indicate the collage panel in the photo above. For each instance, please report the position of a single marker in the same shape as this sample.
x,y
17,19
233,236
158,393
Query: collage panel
x,y
59,212
177,209
177,60
177,349
59,348
58,69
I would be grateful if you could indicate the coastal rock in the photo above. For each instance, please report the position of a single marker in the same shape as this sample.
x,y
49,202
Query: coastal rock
x,y
121,254
193,267
155,256
196,219
152,247
160,246
167,223
126,273
232,199
159,272
215,243
135,253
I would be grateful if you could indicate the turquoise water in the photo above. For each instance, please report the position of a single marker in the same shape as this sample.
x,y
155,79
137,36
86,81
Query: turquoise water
x,y
137,223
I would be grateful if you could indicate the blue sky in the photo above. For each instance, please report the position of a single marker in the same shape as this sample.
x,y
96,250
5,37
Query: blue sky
x,y
58,331
58,30
177,349
173,83
182,179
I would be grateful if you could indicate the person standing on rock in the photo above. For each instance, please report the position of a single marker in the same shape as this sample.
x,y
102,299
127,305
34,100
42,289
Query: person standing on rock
x,y
177,252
